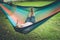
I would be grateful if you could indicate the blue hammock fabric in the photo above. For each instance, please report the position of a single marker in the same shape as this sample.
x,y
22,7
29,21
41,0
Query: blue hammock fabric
x,y
41,13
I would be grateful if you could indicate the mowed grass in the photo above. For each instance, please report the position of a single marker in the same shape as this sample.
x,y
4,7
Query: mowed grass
x,y
35,3
50,30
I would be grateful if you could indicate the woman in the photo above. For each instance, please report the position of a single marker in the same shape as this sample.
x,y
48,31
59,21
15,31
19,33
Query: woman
x,y
29,21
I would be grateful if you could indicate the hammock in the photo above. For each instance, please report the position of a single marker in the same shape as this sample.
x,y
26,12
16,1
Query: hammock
x,y
21,13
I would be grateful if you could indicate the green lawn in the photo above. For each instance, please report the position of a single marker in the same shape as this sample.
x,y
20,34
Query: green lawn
x,y
50,30
37,4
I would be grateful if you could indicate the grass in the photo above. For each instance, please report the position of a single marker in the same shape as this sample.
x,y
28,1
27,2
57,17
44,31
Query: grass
x,y
37,4
50,30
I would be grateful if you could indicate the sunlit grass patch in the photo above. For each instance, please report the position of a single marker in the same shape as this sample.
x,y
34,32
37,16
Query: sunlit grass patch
x,y
38,3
